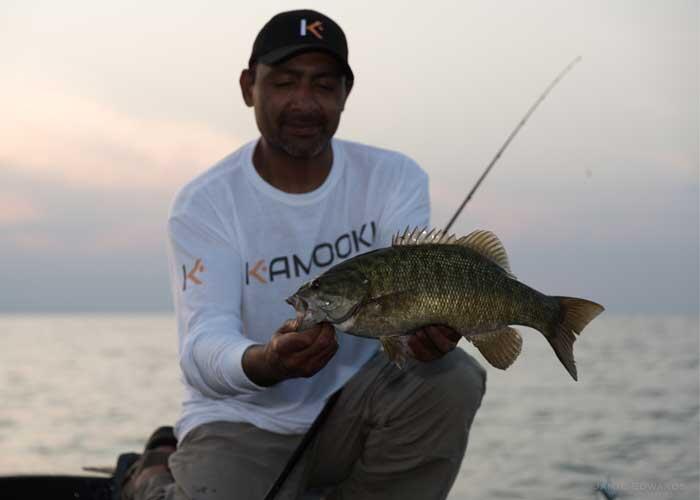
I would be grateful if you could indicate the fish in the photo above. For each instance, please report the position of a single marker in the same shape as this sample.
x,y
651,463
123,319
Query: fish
x,y
435,278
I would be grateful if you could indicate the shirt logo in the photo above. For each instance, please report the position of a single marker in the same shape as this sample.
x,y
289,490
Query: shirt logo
x,y
192,275
314,28
321,256
255,272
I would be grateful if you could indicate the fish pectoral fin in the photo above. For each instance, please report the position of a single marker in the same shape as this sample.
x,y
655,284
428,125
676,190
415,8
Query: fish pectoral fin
x,y
395,349
499,347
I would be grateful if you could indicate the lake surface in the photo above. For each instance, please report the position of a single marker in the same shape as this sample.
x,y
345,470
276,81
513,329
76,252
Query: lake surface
x,y
80,389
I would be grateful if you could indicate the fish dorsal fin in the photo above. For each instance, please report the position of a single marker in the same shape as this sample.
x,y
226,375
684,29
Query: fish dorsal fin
x,y
422,236
483,242
487,244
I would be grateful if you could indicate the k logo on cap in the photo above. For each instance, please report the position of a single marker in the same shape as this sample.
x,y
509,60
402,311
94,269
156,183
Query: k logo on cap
x,y
315,28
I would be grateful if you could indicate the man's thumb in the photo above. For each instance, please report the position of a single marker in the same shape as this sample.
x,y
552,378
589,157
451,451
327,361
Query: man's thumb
x,y
290,325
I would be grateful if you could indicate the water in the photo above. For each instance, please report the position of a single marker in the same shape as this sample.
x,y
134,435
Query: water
x,y
77,390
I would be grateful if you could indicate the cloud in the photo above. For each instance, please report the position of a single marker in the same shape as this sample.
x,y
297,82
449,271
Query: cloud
x,y
87,248
34,243
56,135
16,209
79,221
84,193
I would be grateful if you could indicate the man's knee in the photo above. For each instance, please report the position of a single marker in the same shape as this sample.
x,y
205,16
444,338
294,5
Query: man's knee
x,y
223,460
424,419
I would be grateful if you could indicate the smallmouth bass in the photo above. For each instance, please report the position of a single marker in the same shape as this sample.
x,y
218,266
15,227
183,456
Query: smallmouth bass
x,y
432,278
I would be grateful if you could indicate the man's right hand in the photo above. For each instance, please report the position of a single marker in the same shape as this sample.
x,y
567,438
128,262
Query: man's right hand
x,y
290,353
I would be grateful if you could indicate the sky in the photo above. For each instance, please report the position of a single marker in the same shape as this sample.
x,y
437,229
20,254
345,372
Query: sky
x,y
109,107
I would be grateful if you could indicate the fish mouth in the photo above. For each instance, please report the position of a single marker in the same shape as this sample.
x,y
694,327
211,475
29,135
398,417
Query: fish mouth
x,y
304,316
299,305
307,315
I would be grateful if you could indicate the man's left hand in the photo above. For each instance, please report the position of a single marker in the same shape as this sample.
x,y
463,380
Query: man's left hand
x,y
433,342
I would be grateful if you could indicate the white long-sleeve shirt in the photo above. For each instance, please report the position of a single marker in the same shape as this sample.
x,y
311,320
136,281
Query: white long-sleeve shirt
x,y
238,247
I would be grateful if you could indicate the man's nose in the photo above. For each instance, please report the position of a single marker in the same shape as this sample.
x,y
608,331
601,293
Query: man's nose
x,y
303,97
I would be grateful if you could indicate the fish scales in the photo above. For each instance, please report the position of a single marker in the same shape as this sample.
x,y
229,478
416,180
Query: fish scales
x,y
443,284
429,279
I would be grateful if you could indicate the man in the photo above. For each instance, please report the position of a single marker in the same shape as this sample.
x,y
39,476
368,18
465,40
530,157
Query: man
x,y
243,237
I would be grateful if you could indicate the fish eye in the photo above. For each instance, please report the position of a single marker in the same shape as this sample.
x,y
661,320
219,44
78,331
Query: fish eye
x,y
315,285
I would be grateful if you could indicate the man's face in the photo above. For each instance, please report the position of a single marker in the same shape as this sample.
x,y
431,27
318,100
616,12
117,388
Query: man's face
x,y
298,102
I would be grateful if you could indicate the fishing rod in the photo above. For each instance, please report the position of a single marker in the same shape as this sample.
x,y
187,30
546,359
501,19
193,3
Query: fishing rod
x,y
315,426
510,138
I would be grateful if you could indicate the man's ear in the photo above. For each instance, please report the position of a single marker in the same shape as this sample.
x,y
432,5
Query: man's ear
x,y
247,80
348,88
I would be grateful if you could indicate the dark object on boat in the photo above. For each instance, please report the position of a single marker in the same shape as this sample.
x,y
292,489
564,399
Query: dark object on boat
x,y
124,466
55,488
130,465
63,487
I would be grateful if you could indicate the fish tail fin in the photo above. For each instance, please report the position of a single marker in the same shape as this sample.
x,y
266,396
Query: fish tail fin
x,y
574,315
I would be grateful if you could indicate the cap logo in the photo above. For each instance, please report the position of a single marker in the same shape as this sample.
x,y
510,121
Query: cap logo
x,y
314,28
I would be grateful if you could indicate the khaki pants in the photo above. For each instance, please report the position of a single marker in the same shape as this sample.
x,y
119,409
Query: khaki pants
x,y
393,434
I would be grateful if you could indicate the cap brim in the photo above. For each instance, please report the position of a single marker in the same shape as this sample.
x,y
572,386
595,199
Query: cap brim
x,y
283,53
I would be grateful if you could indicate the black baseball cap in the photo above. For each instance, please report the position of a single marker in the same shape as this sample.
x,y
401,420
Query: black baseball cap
x,y
291,33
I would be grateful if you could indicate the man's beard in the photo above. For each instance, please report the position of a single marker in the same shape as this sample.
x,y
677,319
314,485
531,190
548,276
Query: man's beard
x,y
307,150
302,148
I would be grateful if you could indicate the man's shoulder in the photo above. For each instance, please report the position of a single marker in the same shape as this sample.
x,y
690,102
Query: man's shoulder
x,y
206,184
372,154
381,160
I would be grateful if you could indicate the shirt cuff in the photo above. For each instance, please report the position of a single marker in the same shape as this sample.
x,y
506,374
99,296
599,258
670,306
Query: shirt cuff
x,y
235,376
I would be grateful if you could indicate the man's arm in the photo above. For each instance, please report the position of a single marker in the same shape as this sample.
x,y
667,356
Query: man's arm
x,y
205,275
216,357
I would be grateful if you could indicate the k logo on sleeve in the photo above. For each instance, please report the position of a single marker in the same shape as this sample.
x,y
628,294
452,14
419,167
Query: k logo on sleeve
x,y
192,276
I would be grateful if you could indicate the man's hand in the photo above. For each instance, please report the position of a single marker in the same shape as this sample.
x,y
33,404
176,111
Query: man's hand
x,y
290,354
433,342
